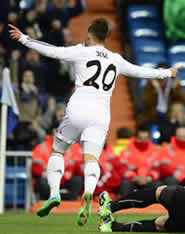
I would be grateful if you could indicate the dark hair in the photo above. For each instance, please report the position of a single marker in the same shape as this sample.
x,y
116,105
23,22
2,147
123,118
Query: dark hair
x,y
99,29
124,132
142,129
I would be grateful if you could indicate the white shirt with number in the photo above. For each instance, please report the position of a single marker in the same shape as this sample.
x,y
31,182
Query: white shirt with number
x,y
96,70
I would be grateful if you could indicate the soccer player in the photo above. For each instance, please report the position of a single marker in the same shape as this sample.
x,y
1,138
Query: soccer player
x,y
172,197
88,111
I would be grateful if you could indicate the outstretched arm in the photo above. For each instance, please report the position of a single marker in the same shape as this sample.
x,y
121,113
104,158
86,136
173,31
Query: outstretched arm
x,y
131,70
68,53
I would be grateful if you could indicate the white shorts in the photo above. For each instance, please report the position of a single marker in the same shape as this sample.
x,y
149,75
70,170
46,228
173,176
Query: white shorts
x,y
88,123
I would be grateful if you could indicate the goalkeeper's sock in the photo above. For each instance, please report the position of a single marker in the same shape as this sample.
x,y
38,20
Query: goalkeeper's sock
x,y
92,174
138,199
138,226
55,171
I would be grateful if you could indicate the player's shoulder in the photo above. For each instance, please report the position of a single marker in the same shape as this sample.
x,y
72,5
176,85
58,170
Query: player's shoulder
x,y
77,46
116,56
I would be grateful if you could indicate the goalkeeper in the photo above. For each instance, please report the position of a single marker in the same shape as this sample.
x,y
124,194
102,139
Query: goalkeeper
x,y
171,197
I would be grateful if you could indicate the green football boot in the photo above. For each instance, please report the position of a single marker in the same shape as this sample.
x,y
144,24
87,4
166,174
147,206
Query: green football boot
x,y
106,224
48,205
104,209
85,211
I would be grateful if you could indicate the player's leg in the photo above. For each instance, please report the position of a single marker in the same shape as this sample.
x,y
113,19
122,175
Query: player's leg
x,y
64,137
126,187
155,225
95,127
55,171
91,175
138,199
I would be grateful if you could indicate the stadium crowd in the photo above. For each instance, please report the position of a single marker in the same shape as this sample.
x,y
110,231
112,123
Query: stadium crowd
x,y
134,161
42,86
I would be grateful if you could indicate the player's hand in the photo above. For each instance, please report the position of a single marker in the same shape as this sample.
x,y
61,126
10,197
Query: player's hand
x,y
175,70
140,180
15,33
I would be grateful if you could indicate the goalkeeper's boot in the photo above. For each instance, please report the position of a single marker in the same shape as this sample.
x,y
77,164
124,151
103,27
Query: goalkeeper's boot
x,y
106,224
85,211
48,205
104,202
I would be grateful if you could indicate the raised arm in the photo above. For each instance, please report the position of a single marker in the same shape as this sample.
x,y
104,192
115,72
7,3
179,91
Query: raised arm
x,y
65,53
131,70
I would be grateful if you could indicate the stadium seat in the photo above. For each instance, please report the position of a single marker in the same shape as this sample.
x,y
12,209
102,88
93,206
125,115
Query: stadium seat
x,y
142,13
150,59
148,45
145,32
176,57
146,35
15,192
176,53
177,47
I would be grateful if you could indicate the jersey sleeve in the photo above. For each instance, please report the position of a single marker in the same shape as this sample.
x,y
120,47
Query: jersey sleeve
x,y
70,54
131,70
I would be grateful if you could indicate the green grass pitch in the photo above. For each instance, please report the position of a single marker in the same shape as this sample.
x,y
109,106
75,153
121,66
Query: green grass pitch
x,y
16,223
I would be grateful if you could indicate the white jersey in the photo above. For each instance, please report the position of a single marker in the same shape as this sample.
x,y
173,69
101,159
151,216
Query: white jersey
x,y
88,111
96,69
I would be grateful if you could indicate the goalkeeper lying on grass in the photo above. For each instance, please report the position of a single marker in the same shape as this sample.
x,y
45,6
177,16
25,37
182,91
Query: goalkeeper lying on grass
x,y
171,197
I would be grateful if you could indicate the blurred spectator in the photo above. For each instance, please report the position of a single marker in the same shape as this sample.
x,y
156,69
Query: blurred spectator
x,y
3,44
27,131
3,49
54,112
74,154
67,37
13,18
167,126
32,61
14,67
31,32
71,184
158,95
137,158
123,135
174,19
55,35
36,17
48,115
171,159
14,5
60,110
110,178
58,10
44,20
42,14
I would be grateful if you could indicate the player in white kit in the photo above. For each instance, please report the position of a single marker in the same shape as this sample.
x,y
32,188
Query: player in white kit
x,y
88,111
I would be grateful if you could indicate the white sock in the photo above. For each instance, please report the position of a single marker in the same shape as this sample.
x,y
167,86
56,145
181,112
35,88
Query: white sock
x,y
92,174
55,171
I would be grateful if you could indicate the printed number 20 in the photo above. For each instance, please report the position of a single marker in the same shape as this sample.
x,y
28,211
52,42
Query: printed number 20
x,y
91,81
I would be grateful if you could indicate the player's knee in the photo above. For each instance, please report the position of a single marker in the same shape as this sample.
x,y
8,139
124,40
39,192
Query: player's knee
x,y
160,223
89,157
91,151
158,191
60,146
